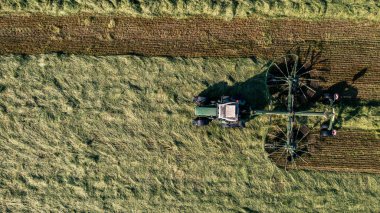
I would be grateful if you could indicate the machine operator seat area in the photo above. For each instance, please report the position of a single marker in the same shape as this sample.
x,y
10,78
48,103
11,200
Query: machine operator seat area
x,y
228,111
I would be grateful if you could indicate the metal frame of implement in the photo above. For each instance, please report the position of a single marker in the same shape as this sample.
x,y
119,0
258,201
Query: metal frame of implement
x,y
293,81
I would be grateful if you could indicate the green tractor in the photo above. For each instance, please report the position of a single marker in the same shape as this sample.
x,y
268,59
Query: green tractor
x,y
229,111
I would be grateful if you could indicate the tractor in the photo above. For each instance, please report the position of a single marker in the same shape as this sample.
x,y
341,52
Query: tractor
x,y
229,111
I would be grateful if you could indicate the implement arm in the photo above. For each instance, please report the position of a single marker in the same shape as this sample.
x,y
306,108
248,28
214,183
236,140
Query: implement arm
x,y
327,114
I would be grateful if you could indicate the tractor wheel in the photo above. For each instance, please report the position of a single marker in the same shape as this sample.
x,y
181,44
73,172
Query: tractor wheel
x,y
328,133
326,98
200,101
240,124
329,98
336,96
324,126
229,125
201,122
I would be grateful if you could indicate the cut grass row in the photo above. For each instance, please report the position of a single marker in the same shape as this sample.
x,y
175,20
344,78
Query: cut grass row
x,y
309,9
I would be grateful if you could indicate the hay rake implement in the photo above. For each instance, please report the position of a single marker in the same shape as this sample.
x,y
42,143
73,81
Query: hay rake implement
x,y
291,87
291,84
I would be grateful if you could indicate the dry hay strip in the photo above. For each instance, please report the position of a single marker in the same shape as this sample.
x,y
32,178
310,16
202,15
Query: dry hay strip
x,y
350,151
347,47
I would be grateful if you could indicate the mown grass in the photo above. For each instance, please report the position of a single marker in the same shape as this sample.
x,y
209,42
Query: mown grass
x,y
309,9
114,133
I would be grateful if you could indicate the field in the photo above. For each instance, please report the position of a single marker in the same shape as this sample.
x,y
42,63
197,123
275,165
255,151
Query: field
x,y
95,105
346,48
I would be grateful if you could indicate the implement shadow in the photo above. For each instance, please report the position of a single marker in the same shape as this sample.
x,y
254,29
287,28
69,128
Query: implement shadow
x,y
349,105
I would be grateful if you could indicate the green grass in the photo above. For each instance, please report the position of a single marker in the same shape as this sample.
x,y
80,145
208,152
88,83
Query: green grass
x,y
113,133
226,9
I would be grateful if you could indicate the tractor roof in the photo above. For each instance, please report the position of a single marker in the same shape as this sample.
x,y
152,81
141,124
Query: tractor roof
x,y
228,111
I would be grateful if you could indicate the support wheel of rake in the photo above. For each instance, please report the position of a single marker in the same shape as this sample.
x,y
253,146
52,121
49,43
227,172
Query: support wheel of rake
x,y
329,98
328,133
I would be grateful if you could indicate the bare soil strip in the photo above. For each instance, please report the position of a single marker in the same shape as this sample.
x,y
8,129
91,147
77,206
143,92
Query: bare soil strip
x,y
347,47
350,151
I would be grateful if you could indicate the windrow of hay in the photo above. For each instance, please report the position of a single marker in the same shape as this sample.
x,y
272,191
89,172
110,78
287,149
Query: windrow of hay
x,y
225,9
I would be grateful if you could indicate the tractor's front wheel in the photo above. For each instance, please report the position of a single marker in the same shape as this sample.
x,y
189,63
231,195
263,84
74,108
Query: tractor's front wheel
x,y
200,100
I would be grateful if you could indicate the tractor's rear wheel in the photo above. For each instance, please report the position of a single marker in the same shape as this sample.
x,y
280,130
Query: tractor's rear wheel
x,y
239,124
201,121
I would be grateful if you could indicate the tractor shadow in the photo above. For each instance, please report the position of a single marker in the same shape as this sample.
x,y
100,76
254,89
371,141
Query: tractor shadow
x,y
253,91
